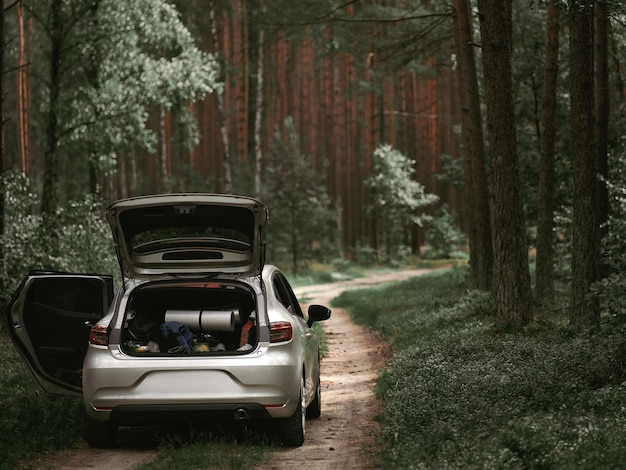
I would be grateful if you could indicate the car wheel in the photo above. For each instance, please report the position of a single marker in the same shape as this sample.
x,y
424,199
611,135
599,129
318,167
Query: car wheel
x,y
294,428
100,434
314,410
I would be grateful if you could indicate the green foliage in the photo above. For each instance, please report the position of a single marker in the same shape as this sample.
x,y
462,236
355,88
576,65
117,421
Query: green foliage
x,y
301,214
147,58
548,398
396,197
443,235
83,242
610,289
457,396
119,63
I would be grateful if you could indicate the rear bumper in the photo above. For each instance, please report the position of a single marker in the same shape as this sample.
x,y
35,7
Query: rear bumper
x,y
136,391
151,414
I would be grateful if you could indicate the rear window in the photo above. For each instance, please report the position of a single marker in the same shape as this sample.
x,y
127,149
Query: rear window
x,y
208,237
154,228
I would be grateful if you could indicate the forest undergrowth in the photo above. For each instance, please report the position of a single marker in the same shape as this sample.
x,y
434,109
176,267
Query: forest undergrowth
x,y
457,394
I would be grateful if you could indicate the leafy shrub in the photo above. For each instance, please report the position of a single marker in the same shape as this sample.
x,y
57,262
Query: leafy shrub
x,y
81,243
443,235
396,198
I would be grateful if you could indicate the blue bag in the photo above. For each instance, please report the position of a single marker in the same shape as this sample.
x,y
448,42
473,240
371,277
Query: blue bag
x,y
179,335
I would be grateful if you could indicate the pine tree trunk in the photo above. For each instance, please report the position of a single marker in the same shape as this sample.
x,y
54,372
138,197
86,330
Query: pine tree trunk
x,y
240,56
602,109
50,172
3,163
477,186
512,288
22,91
584,309
545,224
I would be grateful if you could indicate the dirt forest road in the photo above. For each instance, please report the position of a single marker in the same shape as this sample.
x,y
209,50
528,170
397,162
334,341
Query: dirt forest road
x,y
344,437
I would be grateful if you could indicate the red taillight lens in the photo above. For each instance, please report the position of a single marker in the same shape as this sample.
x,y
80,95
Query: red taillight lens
x,y
280,331
99,334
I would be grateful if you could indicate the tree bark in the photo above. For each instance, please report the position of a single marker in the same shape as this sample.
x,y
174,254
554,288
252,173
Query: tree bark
x,y
3,163
50,175
512,288
545,225
93,77
22,90
584,310
602,109
476,183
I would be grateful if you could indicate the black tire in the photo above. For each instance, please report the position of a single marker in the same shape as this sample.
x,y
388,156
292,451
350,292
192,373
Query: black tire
x,y
100,434
314,410
293,429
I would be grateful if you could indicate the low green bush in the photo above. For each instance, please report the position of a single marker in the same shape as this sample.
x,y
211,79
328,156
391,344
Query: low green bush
x,y
457,395
82,242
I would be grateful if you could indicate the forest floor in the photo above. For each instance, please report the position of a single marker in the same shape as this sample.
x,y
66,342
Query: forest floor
x,y
346,436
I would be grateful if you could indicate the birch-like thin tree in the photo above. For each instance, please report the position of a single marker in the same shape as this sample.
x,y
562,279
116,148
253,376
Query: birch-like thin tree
x,y
258,116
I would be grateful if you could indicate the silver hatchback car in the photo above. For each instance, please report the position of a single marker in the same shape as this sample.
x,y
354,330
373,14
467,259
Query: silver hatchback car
x,y
200,328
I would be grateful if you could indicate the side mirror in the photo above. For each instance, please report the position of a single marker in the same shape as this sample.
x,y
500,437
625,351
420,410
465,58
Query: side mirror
x,y
317,313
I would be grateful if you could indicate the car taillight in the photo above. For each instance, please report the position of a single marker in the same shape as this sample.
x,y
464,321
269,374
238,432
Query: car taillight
x,y
99,334
280,331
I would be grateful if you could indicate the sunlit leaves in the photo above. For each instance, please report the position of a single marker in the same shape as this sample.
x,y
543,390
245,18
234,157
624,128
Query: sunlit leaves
x,y
392,181
146,58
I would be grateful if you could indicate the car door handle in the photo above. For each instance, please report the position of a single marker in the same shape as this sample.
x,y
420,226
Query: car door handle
x,y
308,335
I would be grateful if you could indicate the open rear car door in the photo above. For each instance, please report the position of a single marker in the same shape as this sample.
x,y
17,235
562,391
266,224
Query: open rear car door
x,y
49,318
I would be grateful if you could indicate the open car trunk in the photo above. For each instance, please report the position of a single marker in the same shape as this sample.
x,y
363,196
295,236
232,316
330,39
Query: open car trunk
x,y
166,319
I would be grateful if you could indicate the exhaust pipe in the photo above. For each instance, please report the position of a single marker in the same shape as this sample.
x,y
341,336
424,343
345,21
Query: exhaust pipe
x,y
240,414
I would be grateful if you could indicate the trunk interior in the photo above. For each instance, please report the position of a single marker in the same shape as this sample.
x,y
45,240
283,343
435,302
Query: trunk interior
x,y
190,319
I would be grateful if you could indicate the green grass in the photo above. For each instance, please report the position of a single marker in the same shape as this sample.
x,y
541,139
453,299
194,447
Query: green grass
x,y
32,422
219,448
457,395
316,273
